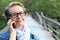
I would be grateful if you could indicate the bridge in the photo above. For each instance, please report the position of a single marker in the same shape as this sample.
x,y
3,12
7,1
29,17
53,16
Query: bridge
x,y
45,28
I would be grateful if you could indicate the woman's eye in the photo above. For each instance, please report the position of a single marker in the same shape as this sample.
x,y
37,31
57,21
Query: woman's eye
x,y
14,15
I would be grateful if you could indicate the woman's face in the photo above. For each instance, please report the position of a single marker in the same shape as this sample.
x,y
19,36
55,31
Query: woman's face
x,y
18,14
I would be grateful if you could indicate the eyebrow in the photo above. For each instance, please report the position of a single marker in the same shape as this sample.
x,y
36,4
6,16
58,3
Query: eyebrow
x,y
19,12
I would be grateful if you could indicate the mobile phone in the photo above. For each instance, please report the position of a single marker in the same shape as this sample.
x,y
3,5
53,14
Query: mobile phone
x,y
13,25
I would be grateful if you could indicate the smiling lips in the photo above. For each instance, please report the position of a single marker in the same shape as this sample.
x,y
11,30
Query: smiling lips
x,y
19,20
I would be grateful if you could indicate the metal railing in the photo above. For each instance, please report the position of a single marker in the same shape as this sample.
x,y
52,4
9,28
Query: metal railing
x,y
49,24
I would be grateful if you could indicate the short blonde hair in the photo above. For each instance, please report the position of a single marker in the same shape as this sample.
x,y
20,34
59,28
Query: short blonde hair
x,y
11,5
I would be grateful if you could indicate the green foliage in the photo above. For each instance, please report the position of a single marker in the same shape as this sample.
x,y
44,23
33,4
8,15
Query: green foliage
x,y
50,8
3,22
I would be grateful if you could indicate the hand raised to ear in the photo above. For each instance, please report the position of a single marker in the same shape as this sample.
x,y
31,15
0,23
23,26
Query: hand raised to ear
x,y
12,30
9,23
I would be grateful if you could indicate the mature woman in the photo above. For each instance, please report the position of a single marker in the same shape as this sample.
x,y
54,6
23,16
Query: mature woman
x,y
18,30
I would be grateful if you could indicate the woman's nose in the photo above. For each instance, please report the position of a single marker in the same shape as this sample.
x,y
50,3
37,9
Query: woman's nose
x,y
18,16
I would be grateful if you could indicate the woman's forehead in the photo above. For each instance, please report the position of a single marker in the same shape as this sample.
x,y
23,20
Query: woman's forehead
x,y
16,9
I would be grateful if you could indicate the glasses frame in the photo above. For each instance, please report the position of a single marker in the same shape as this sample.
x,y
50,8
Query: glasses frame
x,y
15,15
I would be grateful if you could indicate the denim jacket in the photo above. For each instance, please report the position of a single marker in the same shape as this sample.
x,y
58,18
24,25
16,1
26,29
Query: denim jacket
x,y
6,36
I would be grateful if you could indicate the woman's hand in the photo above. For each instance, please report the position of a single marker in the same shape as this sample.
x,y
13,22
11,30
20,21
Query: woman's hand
x,y
9,23
12,30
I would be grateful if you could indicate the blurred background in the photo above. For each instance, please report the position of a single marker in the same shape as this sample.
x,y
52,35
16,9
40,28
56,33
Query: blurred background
x,y
50,9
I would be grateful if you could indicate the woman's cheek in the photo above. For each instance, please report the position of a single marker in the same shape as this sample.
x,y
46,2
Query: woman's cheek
x,y
24,18
13,19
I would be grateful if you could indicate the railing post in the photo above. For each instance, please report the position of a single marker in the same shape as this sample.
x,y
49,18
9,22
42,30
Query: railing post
x,y
43,21
40,18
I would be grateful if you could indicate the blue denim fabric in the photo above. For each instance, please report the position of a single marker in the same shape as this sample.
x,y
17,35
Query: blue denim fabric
x,y
6,36
34,37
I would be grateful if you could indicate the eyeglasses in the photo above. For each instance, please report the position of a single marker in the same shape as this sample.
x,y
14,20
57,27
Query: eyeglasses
x,y
15,15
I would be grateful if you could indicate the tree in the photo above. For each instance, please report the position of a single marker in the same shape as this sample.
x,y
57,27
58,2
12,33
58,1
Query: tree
x,y
50,8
